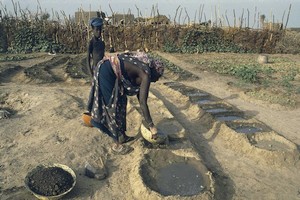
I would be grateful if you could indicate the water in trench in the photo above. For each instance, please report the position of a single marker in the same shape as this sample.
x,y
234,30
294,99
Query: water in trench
x,y
247,129
216,110
180,179
171,175
196,94
228,117
204,101
271,145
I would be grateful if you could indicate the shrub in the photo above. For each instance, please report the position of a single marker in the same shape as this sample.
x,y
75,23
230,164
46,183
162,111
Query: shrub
x,y
290,43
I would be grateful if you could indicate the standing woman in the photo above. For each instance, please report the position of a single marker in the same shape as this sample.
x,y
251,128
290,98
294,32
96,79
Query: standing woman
x,y
96,46
95,52
114,79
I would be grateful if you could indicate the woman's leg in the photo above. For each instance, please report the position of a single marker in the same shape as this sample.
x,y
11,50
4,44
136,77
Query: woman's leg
x,y
106,81
116,116
91,99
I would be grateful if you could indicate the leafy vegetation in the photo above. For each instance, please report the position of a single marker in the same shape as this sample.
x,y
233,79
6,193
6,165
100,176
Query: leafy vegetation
x,y
203,40
248,73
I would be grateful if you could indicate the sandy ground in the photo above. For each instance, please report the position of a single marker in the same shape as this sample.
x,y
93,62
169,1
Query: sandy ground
x,y
45,126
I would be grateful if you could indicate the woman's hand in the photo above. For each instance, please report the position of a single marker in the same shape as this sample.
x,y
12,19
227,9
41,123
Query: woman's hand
x,y
154,131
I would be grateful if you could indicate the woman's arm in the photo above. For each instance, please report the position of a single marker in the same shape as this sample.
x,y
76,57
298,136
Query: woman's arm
x,y
143,97
142,79
89,52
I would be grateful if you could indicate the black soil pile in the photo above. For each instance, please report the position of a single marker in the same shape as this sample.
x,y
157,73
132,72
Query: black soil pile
x,y
50,181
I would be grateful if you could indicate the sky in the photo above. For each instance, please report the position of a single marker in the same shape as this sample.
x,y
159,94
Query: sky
x,y
276,10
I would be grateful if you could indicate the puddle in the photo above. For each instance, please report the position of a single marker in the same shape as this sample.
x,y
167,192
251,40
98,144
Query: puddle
x,y
228,117
216,110
271,142
271,145
216,107
180,88
196,94
180,179
202,99
172,84
247,129
169,174
188,91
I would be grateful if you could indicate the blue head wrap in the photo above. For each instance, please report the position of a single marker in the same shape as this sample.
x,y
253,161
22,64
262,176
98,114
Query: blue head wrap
x,y
96,21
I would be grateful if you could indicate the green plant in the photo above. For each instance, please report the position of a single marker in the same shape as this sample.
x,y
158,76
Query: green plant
x,y
170,47
286,83
268,71
289,77
28,38
248,73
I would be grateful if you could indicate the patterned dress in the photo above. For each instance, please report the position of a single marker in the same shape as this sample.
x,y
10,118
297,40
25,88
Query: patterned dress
x,y
111,87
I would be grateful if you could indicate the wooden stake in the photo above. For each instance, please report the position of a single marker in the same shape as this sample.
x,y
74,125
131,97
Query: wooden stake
x,y
288,16
242,19
227,19
283,17
176,15
248,16
254,21
234,19
179,16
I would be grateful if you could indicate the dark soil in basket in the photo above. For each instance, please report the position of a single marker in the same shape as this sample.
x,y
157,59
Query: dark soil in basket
x,y
50,181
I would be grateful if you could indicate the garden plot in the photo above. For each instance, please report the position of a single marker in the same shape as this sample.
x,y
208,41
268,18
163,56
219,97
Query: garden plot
x,y
283,151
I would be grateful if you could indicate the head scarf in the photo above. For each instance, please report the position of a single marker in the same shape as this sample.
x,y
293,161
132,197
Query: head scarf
x,y
158,66
96,22
155,64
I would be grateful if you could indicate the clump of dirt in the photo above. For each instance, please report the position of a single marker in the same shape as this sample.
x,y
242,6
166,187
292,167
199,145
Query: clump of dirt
x,y
77,67
42,72
50,181
8,70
